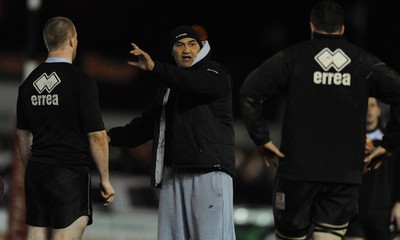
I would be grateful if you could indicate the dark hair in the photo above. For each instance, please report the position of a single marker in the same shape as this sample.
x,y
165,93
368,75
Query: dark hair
x,y
327,16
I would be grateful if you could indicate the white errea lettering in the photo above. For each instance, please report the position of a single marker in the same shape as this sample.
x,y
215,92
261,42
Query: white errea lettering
x,y
330,78
44,100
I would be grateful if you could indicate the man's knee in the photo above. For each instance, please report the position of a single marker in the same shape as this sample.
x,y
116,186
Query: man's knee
x,y
73,231
280,236
324,231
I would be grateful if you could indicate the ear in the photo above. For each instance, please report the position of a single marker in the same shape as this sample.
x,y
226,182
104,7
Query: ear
x,y
342,30
71,41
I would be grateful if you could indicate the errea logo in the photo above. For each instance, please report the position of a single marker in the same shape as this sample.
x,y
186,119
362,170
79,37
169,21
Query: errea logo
x,y
47,83
327,60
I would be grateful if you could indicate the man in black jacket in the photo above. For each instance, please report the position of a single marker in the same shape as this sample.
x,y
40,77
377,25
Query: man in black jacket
x,y
327,82
379,200
191,125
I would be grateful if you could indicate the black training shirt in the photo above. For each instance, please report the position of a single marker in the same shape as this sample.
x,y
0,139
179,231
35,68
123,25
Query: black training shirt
x,y
59,104
327,82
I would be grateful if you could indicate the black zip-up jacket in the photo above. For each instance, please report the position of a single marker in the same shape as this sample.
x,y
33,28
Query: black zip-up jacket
x,y
327,82
199,133
379,190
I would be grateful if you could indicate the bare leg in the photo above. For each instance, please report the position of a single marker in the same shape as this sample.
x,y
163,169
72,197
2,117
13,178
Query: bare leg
x,y
38,233
73,231
324,231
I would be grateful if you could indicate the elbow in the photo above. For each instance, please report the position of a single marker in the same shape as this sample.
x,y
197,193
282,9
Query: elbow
x,y
247,105
98,137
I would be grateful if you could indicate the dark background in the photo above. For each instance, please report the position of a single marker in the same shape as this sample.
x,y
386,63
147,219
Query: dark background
x,y
242,35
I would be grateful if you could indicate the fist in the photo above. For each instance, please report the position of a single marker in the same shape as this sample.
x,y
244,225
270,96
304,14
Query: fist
x,y
369,146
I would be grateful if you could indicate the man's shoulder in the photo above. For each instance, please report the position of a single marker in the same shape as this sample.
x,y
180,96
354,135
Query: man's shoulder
x,y
75,72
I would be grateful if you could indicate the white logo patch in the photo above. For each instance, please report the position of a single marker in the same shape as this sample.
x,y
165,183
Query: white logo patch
x,y
328,59
280,201
47,83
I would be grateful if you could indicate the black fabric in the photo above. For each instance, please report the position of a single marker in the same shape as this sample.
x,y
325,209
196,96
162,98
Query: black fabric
x,y
297,205
326,83
182,32
199,119
378,194
59,104
56,197
373,226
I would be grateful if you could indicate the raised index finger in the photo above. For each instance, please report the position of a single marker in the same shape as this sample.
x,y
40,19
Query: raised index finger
x,y
134,46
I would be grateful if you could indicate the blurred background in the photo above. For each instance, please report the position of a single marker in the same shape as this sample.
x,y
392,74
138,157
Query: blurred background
x,y
241,34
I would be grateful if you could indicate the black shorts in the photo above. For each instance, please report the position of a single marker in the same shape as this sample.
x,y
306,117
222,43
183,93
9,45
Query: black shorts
x,y
55,197
299,204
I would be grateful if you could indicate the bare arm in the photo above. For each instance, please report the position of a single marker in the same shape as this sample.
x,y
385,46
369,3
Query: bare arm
x,y
395,215
99,151
24,138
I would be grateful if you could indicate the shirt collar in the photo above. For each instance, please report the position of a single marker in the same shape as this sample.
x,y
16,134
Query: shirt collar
x,y
57,60
321,35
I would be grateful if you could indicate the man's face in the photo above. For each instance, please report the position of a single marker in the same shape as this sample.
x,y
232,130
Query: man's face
x,y
185,51
374,111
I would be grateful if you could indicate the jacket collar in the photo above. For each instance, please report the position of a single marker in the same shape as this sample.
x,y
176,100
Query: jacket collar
x,y
204,51
330,36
